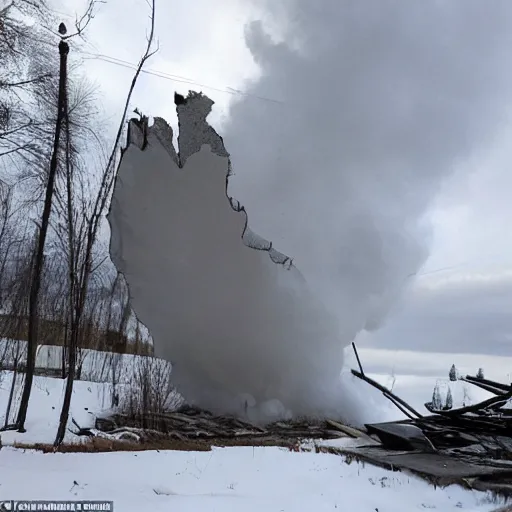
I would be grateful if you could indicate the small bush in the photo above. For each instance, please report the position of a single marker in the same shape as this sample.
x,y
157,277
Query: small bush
x,y
150,391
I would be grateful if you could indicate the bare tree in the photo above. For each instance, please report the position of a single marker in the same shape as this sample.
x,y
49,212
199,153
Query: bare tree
x,y
25,65
16,311
150,392
39,257
62,114
80,274
48,163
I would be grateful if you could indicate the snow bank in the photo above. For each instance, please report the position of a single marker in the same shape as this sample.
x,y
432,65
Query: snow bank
x,y
234,479
230,479
89,400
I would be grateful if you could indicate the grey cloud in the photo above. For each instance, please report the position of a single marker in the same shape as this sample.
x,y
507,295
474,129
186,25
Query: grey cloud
x,y
460,315
381,99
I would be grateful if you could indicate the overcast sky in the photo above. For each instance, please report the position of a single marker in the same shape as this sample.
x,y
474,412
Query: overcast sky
x,y
450,131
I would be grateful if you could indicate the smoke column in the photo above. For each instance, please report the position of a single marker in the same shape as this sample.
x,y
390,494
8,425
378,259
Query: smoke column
x,y
380,100
377,101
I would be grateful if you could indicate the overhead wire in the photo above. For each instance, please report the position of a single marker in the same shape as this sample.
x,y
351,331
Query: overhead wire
x,y
174,78
167,76
228,90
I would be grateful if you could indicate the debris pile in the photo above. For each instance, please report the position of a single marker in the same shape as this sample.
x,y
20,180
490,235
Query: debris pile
x,y
469,445
192,424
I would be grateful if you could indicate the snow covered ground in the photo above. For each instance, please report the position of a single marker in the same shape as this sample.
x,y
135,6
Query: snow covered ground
x,y
223,480
89,399
241,479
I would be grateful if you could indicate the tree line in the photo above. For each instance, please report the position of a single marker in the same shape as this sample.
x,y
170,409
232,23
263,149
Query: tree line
x,y
56,179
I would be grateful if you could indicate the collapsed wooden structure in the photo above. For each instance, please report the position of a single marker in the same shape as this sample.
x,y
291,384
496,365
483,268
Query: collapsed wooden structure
x,y
192,424
469,446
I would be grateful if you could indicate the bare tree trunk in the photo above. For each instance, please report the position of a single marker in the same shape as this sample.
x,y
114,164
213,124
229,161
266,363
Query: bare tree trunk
x,y
64,416
17,358
65,348
17,353
38,264
74,306
80,275
137,349
15,324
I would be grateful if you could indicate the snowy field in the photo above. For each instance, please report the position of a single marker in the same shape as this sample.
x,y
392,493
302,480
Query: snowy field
x,y
224,479
89,399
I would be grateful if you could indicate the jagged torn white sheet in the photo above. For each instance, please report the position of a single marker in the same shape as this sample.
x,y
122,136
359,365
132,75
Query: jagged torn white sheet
x,y
234,316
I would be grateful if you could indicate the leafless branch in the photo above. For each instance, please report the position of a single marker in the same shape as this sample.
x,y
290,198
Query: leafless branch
x,y
83,22
25,82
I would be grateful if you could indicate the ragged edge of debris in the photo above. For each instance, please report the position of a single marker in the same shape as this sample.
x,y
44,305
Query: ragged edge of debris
x,y
190,425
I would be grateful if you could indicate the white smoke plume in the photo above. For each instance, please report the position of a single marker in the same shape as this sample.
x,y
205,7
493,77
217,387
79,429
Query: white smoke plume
x,y
377,101
380,100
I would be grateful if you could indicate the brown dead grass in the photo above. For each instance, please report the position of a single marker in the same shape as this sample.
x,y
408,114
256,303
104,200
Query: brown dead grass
x,y
102,445
331,450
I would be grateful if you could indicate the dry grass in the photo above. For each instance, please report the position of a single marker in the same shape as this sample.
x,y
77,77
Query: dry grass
x,y
150,391
332,450
102,445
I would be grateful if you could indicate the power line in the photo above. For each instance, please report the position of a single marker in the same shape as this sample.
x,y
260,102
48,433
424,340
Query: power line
x,y
442,269
488,258
175,78
167,76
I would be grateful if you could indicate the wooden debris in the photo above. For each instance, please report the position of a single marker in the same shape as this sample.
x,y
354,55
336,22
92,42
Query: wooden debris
x,y
479,407
486,387
194,424
351,432
404,406
397,401
492,383
469,445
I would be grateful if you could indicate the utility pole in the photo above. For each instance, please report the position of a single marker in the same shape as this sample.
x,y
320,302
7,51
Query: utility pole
x,y
35,286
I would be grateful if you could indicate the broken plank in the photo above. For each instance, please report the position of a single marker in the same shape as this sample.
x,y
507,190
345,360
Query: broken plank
x,y
497,385
386,392
486,387
351,432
